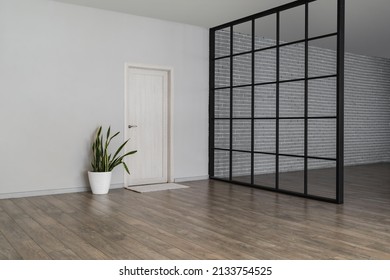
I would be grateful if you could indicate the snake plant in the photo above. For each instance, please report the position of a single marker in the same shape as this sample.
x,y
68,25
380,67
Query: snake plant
x,y
102,160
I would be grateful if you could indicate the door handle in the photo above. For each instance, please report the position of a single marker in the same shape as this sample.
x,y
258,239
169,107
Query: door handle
x,y
130,126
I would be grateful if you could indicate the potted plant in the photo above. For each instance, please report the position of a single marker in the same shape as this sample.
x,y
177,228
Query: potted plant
x,y
103,162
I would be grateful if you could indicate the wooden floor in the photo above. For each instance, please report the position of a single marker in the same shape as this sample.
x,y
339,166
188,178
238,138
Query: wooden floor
x,y
210,220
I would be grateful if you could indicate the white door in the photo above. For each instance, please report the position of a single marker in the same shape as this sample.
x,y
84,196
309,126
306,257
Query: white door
x,y
147,125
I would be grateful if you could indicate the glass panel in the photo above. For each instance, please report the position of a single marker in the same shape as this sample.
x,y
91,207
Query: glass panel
x,y
292,99
292,62
222,72
242,167
322,17
264,170
265,66
321,178
323,57
291,174
242,135
322,97
322,138
242,37
292,24
222,134
265,101
265,136
222,103
242,102
221,164
242,70
265,29
222,42
292,137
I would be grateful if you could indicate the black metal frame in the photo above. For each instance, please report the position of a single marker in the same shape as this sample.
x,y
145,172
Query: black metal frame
x,y
339,76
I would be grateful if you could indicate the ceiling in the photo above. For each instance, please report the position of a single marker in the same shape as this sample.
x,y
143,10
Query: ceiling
x,y
367,22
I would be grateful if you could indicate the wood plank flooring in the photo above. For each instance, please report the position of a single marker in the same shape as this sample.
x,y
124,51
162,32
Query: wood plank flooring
x,y
209,220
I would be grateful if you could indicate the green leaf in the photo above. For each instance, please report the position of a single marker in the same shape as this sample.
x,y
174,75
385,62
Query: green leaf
x,y
102,160
119,149
126,168
108,132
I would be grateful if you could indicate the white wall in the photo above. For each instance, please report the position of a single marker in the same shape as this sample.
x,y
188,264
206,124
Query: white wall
x,y
62,75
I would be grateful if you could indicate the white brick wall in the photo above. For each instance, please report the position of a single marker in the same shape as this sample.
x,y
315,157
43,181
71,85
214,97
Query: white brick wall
x,y
367,107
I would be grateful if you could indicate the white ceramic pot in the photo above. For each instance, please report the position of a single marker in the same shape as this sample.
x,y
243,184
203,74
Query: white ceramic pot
x,y
100,182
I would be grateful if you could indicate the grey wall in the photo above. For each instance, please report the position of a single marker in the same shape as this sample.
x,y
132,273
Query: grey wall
x,y
62,75
367,106
367,109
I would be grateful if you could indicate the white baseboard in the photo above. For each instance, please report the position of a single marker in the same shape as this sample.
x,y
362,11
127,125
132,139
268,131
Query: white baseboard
x,y
84,189
53,191
186,179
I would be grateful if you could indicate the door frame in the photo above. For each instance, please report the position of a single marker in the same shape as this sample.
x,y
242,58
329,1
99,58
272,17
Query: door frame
x,y
170,112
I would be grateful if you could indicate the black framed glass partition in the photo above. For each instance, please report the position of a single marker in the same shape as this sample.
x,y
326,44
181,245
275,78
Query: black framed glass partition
x,y
276,113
